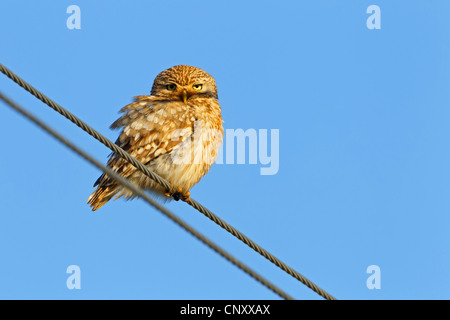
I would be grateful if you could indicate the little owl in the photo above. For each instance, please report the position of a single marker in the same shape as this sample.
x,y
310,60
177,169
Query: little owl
x,y
176,132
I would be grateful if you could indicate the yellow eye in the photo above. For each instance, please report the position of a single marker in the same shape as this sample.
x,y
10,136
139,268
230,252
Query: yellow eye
x,y
171,87
197,86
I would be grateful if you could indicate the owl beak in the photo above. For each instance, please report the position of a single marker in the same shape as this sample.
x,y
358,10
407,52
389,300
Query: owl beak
x,y
184,96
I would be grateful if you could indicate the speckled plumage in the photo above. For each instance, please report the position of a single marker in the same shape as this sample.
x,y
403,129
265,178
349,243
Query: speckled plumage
x,y
175,132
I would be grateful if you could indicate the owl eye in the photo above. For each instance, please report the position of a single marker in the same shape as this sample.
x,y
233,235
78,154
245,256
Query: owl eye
x,y
197,86
171,87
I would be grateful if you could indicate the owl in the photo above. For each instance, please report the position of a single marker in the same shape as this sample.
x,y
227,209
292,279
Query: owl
x,y
176,132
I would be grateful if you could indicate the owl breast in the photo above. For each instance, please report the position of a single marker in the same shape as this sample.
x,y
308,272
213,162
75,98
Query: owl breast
x,y
181,141
192,158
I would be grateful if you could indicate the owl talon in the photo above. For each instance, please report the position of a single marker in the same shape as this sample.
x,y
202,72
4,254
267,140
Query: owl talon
x,y
179,195
185,196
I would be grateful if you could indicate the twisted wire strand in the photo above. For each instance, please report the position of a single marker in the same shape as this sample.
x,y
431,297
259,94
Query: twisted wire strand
x,y
140,192
196,205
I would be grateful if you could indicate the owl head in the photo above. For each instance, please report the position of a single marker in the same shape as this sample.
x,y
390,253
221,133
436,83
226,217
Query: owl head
x,y
184,83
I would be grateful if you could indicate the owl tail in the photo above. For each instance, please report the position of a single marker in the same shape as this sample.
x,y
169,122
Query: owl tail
x,y
101,196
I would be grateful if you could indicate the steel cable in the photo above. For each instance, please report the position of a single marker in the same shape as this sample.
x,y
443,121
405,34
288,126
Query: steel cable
x,y
138,191
199,207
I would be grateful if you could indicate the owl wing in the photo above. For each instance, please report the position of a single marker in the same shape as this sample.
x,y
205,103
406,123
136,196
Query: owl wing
x,y
150,129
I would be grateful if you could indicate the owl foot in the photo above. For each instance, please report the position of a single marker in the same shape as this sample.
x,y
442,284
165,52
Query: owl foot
x,y
179,195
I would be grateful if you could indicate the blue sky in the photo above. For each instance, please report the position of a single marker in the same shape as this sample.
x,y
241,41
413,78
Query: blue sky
x,y
363,119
